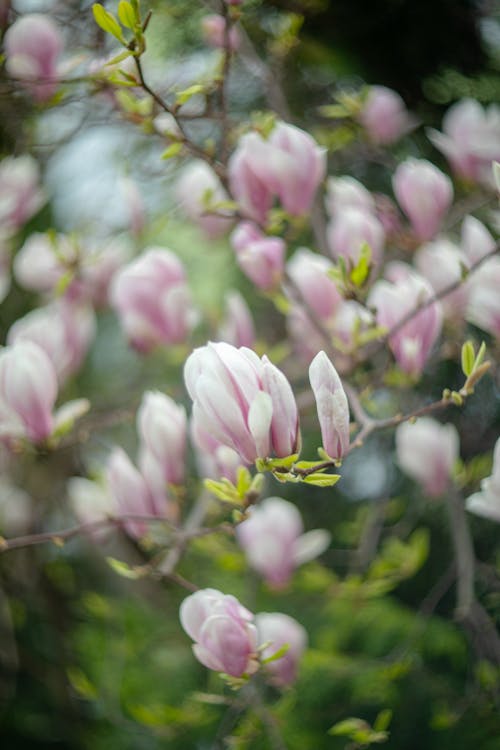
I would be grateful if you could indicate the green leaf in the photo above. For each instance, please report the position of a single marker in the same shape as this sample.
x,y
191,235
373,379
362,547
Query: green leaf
x,y
126,14
480,355
360,272
243,481
173,150
383,720
184,96
468,358
124,569
347,727
277,655
81,684
107,22
224,490
119,58
322,480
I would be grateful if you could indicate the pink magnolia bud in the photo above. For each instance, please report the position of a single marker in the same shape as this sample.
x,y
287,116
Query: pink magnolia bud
x,y
238,327
245,402
483,308
152,300
309,273
260,257
393,300
63,330
486,502
4,269
28,391
425,195
214,459
32,45
332,406
350,229
21,196
384,116
162,425
214,32
279,630
442,263
288,165
476,239
427,452
346,192
130,491
100,262
197,189
223,631
43,260
274,543
92,502
470,139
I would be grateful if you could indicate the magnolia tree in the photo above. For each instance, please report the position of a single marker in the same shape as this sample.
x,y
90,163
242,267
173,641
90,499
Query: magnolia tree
x,y
366,334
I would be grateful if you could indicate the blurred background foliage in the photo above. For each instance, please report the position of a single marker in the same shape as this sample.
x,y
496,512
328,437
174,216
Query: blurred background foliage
x,y
93,661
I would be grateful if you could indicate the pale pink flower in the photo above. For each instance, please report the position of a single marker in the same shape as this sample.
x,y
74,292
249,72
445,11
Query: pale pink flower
x,y
384,116
259,256
162,426
424,193
347,192
309,273
32,47
237,328
275,631
130,492
332,405
223,630
214,460
352,228
427,451
21,196
476,240
274,542
483,308
486,502
214,32
198,188
442,263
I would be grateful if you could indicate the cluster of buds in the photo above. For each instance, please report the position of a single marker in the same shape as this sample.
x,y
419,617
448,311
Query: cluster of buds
x,y
428,451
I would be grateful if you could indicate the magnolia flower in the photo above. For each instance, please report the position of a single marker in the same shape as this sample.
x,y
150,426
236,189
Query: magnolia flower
x,y
237,328
21,196
384,116
442,263
197,188
273,541
346,192
483,308
259,256
214,32
352,228
486,502
332,405
275,631
245,402
223,630
162,426
425,195
476,240
309,273
214,459
427,451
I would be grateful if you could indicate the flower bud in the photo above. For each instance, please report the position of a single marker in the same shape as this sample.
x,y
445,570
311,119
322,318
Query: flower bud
x,y
195,183
129,491
32,45
476,240
332,406
442,263
279,630
350,229
273,541
486,502
260,257
162,426
223,631
346,192
384,116
21,196
214,32
309,273
483,307
237,328
427,452
425,195
214,459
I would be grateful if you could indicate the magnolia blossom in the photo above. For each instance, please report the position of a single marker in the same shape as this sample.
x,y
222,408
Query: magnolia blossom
x,y
152,300
214,32
275,631
21,196
288,165
259,256
223,631
273,541
332,405
428,451
486,502
395,298
162,426
384,116
245,402
476,240
309,273
198,187
214,459
470,139
32,46
352,228
346,192
442,263
425,195
237,328
483,308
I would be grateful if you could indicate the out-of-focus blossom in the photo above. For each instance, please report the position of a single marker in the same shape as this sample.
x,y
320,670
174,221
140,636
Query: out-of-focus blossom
x,y
470,139
402,293
162,426
425,195
332,405
486,502
350,229
4,269
427,452
134,205
279,630
62,329
197,189
237,328
28,391
309,273
259,256
288,165
214,32
21,196
32,47
442,263
91,501
483,308
245,402
223,630
153,301
214,459
476,240
346,192
384,116
274,542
